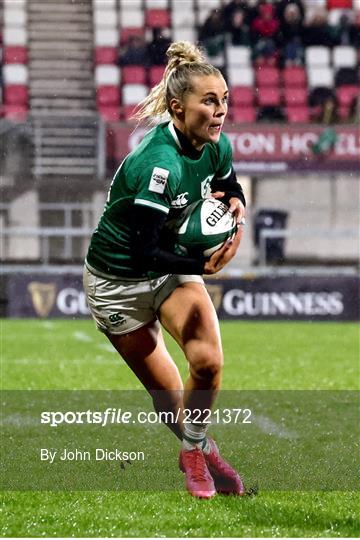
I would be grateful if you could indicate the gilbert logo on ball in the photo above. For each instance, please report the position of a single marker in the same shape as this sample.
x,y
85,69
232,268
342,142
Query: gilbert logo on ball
x,y
203,227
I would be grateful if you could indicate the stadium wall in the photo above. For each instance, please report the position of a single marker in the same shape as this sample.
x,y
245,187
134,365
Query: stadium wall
x,y
286,296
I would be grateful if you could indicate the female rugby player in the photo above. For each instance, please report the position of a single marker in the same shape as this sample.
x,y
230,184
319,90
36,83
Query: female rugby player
x,y
134,285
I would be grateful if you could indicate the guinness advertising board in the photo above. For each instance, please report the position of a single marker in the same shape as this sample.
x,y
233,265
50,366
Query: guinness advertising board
x,y
289,297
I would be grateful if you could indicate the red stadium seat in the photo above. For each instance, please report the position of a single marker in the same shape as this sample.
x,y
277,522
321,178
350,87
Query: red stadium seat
x,y
267,76
127,112
243,114
295,96
107,96
298,115
343,113
16,94
340,4
126,33
17,113
155,74
268,96
15,55
110,114
346,94
157,18
106,55
294,76
133,75
242,95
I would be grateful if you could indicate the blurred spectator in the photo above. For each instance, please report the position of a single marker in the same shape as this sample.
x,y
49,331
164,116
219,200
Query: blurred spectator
x,y
318,31
238,30
270,113
236,5
266,24
354,114
323,105
346,76
264,30
355,32
343,31
282,5
212,33
135,52
291,34
158,46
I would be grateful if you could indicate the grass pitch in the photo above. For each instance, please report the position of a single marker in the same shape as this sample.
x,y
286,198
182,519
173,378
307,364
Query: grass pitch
x,y
47,355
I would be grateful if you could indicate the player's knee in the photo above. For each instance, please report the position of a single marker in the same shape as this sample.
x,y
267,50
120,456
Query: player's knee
x,y
207,364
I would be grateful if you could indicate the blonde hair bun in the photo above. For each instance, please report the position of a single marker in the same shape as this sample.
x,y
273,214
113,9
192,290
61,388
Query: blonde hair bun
x,y
183,52
185,61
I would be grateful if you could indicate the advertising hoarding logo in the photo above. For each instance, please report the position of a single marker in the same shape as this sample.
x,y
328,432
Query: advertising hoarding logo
x,y
42,297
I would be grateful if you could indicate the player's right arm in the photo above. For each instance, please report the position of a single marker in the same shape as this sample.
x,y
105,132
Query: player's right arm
x,y
157,180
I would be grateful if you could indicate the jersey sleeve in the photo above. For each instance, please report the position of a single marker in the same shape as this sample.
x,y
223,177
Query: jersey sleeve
x,y
225,158
157,182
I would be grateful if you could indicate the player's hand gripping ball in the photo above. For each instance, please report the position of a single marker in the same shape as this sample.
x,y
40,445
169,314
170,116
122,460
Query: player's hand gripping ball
x,y
203,227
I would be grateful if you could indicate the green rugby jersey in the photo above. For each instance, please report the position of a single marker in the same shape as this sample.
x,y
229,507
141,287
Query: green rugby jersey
x,y
156,174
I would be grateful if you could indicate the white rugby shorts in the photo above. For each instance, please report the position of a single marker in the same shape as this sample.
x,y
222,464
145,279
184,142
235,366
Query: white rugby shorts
x,y
120,306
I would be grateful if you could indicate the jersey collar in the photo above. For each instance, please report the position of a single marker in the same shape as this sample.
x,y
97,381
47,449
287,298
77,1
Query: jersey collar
x,y
173,133
184,144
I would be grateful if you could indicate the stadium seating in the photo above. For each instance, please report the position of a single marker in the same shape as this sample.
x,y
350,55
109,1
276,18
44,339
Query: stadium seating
x,y
15,54
243,114
108,96
267,76
344,56
294,76
105,55
238,55
297,114
295,96
241,95
269,96
320,76
16,94
317,56
132,17
155,75
157,18
132,94
241,76
133,75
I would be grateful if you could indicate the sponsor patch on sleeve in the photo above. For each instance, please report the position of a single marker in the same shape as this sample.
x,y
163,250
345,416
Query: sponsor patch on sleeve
x,y
158,180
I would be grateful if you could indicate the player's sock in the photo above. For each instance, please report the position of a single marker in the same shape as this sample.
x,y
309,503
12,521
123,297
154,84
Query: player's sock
x,y
194,436
206,447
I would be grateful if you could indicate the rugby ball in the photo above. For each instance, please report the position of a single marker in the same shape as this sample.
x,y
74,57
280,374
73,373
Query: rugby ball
x,y
203,227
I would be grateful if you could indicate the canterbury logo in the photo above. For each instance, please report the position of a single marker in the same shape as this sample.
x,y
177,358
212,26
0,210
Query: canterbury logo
x,y
181,200
116,319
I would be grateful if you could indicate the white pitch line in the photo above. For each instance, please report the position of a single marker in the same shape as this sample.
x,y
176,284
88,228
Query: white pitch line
x,y
106,347
82,336
20,420
268,426
48,325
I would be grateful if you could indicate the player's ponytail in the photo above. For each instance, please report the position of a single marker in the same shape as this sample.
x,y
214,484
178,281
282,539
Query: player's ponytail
x,y
185,61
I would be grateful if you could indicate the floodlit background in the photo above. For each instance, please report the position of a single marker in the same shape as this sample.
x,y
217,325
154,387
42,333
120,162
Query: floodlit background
x,y
72,72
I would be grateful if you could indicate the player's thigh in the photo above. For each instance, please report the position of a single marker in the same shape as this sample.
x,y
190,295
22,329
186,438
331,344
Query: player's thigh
x,y
188,314
146,354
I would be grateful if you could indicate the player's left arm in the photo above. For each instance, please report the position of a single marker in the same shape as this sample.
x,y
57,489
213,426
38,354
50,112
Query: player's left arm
x,y
230,192
224,185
